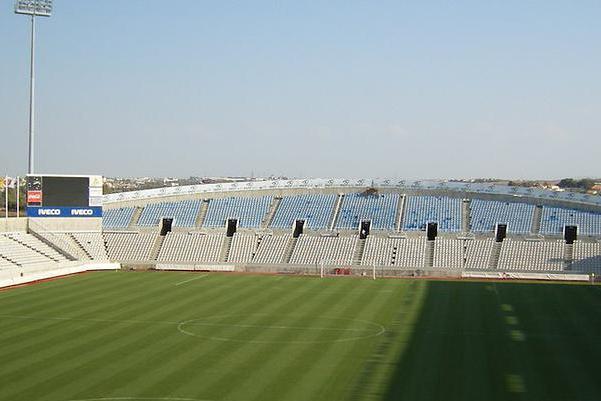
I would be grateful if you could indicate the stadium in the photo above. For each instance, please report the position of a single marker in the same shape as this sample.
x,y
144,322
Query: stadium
x,y
228,287
283,277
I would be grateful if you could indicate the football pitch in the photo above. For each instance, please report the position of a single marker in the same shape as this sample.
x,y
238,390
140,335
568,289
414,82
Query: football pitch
x,y
175,336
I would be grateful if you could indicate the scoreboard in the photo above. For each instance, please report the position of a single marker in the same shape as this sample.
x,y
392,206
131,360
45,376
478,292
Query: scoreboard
x,y
64,196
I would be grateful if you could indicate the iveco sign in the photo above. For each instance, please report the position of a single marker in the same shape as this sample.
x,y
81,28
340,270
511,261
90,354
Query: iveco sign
x,y
82,212
64,211
49,212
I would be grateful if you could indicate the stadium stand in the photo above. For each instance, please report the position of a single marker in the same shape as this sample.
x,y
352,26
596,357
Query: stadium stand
x,y
486,214
342,208
24,249
587,257
249,211
379,209
478,253
93,244
315,209
129,246
554,219
422,209
314,250
531,255
117,218
271,249
243,248
191,247
400,252
67,243
183,213
448,253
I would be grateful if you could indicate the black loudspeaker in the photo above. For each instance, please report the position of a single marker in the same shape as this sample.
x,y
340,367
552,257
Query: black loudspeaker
x,y
299,226
570,234
500,232
166,223
232,226
364,229
432,231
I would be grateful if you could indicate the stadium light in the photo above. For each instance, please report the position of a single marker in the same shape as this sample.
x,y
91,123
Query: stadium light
x,y
34,8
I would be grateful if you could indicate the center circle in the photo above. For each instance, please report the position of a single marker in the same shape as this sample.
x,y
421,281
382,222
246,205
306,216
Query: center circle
x,y
280,329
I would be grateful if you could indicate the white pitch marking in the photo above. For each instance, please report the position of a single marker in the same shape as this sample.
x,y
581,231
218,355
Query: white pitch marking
x,y
188,323
257,326
198,322
74,319
191,279
140,399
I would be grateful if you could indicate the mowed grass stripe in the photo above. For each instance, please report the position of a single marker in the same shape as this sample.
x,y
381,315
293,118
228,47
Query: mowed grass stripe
x,y
59,294
273,358
103,334
41,335
219,354
570,335
309,372
348,369
444,340
372,377
13,296
176,344
126,343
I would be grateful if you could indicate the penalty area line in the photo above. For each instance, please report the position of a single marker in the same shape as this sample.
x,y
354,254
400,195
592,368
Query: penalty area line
x,y
191,279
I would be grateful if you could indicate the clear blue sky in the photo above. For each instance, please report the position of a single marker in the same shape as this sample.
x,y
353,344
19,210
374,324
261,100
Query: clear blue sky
x,y
307,88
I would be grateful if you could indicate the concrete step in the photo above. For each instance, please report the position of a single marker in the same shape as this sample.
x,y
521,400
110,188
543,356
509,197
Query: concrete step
x,y
225,249
358,255
202,213
336,211
275,203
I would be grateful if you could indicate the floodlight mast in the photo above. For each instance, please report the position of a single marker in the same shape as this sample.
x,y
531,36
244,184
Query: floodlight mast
x,y
42,8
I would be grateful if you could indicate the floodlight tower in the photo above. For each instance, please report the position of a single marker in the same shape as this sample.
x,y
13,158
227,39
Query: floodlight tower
x,y
34,8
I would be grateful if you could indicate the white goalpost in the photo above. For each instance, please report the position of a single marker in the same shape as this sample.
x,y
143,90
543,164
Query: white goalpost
x,y
344,269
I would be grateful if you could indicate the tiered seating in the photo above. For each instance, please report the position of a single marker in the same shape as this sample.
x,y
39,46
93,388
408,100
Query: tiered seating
x,y
380,209
249,211
554,219
67,243
32,242
191,247
448,253
25,249
411,253
531,255
312,250
183,213
93,243
271,249
129,246
422,209
5,263
400,252
587,257
486,214
379,251
477,254
315,209
243,247
117,218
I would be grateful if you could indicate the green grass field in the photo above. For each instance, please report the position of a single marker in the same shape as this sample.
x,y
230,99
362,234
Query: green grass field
x,y
192,336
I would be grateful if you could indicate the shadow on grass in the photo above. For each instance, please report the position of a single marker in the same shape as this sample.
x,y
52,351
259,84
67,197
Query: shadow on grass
x,y
489,341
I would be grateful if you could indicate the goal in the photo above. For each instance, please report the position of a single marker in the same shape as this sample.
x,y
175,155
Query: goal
x,y
329,268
